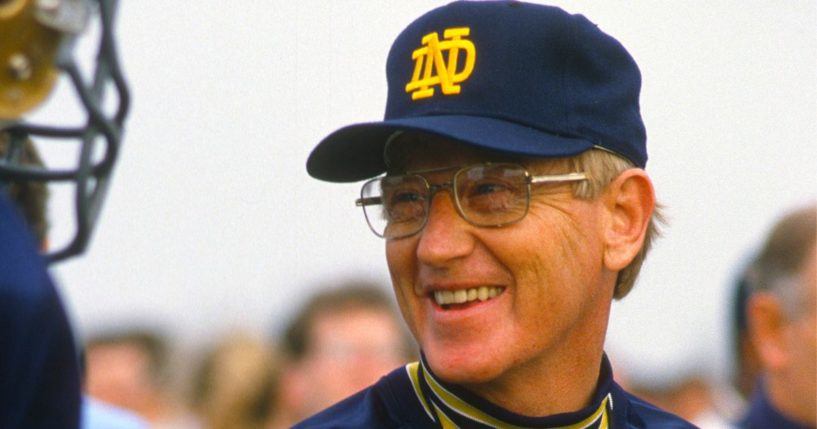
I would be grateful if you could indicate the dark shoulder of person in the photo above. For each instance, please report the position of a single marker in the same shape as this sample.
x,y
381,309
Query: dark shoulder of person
x,y
39,366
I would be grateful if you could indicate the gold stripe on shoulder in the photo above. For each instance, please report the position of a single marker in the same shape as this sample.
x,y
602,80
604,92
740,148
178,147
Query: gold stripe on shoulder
x,y
445,421
460,406
413,369
605,421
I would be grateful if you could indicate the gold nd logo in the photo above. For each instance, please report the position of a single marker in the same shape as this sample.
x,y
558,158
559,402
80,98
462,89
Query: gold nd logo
x,y
435,70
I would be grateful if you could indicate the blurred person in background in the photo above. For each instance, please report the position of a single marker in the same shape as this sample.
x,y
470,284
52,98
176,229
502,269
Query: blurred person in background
x,y
735,394
341,341
31,200
507,179
39,365
132,369
747,362
782,324
235,384
691,395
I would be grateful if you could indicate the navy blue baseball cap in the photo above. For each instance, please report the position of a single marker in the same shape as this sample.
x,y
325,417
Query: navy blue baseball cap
x,y
519,78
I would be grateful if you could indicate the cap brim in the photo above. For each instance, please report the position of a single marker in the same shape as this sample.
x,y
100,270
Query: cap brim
x,y
355,152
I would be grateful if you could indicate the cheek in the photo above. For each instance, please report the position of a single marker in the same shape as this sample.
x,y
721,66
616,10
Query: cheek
x,y
567,240
548,284
401,262
803,344
807,339
561,260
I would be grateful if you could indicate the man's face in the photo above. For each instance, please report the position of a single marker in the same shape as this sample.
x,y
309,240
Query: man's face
x,y
801,339
553,297
350,349
118,373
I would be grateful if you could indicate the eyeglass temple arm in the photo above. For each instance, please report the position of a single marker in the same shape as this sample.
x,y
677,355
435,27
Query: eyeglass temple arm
x,y
569,177
370,201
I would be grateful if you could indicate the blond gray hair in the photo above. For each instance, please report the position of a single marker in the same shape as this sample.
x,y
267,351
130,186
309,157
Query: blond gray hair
x,y
602,167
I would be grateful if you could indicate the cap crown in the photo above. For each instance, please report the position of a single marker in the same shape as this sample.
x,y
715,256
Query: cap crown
x,y
515,77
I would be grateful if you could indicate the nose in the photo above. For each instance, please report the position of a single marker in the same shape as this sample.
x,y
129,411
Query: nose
x,y
446,235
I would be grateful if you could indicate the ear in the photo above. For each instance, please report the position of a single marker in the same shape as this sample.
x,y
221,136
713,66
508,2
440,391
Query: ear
x,y
629,201
767,324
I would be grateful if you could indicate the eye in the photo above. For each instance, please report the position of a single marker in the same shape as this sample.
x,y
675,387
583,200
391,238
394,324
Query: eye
x,y
405,196
487,187
488,195
405,202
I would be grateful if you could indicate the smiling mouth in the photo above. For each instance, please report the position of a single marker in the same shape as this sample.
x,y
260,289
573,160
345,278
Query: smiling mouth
x,y
448,299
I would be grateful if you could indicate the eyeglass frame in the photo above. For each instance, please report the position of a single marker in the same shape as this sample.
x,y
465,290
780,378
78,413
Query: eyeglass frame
x,y
432,189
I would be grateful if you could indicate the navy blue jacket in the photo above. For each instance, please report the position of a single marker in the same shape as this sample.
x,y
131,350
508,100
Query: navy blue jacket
x,y
39,372
412,397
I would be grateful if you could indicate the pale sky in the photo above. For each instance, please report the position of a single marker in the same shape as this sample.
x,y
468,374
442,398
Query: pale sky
x,y
213,224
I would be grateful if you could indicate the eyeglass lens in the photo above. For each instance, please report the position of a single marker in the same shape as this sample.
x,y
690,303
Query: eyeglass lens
x,y
485,195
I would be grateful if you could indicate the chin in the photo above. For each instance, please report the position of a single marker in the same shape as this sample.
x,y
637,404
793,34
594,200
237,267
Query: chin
x,y
463,368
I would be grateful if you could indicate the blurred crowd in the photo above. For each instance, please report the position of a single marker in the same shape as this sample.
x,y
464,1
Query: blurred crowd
x,y
342,340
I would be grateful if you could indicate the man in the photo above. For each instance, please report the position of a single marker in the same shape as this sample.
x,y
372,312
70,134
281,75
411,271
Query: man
x,y
782,324
30,198
341,341
747,363
515,208
235,383
130,368
39,366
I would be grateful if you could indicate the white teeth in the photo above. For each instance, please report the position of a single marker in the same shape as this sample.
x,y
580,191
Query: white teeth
x,y
462,296
444,297
483,293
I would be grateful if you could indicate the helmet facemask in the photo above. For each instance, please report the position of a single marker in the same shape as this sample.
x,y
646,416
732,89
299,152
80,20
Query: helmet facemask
x,y
41,48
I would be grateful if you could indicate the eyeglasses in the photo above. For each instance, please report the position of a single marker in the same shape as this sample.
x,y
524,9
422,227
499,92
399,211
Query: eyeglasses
x,y
486,195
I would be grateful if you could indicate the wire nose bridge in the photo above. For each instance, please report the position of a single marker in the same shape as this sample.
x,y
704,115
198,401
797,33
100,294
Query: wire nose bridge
x,y
433,189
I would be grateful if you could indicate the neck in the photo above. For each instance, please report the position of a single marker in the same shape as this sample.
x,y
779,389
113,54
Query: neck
x,y
455,404
563,386
563,379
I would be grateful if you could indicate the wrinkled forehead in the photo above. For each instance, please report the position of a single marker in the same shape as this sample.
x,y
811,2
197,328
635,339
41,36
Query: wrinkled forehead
x,y
413,151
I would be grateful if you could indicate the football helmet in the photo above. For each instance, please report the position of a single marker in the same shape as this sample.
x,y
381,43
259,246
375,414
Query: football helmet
x,y
37,45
